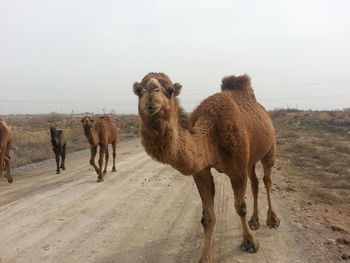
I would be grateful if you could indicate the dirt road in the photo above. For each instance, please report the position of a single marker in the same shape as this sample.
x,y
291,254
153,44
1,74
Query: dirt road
x,y
145,212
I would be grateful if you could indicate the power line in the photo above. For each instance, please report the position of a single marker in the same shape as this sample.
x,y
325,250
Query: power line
x,y
192,89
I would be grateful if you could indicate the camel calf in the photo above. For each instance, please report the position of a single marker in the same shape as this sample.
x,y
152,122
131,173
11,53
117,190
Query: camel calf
x,y
102,132
59,144
5,146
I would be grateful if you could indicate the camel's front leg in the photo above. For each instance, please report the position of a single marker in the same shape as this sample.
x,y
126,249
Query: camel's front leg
x,y
8,169
254,223
2,162
63,158
239,185
206,189
93,150
57,163
100,162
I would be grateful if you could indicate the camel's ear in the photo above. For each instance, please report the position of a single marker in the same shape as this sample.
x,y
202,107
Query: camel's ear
x,y
137,88
177,88
82,120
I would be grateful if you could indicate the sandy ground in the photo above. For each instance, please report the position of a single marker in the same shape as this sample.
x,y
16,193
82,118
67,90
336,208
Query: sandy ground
x,y
145,212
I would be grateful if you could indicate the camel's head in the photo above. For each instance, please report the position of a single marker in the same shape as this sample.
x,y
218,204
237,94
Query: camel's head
x,y
156,92
87,122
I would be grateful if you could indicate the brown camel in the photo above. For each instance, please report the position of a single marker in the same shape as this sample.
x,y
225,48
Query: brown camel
x,y
59,145
102,132
229,131
5,146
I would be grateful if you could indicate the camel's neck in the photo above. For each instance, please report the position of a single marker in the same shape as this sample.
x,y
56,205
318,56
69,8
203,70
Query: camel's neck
x,y
91,135
171,141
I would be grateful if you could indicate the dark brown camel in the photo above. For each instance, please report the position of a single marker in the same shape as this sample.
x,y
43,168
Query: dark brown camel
x,y
5,147
102,132
229,131
59,145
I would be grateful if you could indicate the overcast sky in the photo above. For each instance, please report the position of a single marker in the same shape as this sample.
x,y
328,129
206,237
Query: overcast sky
x,y
79,55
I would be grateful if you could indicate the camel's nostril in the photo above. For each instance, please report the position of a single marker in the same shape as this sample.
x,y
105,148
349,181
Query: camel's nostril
x,y
151,108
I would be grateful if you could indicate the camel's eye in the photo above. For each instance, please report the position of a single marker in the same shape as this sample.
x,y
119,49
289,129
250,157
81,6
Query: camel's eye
x,y
170,92
156,90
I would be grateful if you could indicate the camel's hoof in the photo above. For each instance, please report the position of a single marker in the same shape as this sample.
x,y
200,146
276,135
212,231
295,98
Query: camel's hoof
x,y
58,172
272,220
114,170
254,223
250,245
63,168
205,260
9,179
99,180
104,172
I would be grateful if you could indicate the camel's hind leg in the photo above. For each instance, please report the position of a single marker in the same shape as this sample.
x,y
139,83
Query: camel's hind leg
x,y
106,164
267,161
206,189
239,185
254,223
114,147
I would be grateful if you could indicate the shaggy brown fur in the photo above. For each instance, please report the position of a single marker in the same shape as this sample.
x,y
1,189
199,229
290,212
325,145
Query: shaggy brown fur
x,y
5,146
229,131
59,145
102,132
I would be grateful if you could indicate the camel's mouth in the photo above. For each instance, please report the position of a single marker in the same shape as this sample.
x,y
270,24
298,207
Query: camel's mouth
x,y
152,109
87,129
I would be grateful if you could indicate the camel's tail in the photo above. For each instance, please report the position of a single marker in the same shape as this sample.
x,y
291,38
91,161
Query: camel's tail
x,y
236,83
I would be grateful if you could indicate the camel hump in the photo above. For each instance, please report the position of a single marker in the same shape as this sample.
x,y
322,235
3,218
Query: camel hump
x,y
236,83
105,117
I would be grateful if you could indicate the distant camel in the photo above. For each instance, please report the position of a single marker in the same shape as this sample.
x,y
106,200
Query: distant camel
x,y
59,145
5,146
102,132
229,131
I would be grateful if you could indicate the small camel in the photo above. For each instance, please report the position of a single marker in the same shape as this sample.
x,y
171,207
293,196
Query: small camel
x,y
5,146
59,144
229,131
102,132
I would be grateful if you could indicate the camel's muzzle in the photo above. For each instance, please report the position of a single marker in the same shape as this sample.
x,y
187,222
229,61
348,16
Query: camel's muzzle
x,y
152,109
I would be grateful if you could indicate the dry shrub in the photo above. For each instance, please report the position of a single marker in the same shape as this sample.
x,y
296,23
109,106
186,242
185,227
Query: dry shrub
x,y
317,144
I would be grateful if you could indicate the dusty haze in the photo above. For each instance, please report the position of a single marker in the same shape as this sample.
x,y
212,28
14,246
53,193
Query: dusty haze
x,y
66,56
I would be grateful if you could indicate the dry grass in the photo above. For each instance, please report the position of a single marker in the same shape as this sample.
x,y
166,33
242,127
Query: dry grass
x,y
317,144
31,141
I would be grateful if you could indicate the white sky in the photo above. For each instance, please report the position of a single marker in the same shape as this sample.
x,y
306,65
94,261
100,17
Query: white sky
x,y
84,55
